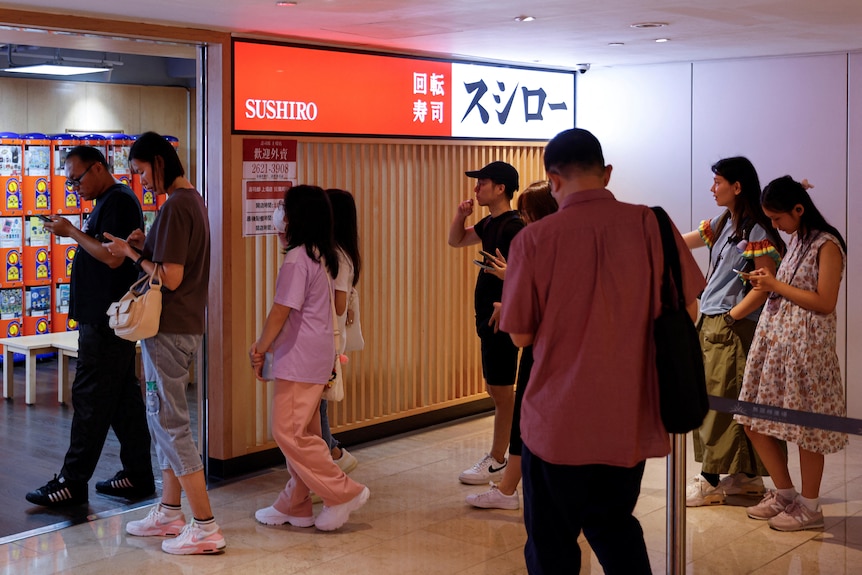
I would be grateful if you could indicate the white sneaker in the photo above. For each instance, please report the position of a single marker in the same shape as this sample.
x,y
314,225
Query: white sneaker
x,y
494,499
484,471
272,516
699,492
159,522
331,518
346,462
195,540
741,484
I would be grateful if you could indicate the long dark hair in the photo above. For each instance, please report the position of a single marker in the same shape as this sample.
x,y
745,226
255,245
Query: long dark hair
x,y
345,227
154,149
309,224
784,194
746,209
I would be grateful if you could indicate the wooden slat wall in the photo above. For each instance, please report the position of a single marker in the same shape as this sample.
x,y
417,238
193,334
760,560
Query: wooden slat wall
x,y
416,292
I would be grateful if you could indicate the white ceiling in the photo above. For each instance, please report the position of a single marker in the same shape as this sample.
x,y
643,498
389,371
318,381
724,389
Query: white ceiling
x,y
565,32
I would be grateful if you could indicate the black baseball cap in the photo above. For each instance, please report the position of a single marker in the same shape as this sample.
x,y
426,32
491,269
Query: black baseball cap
x,y
575,146
499,173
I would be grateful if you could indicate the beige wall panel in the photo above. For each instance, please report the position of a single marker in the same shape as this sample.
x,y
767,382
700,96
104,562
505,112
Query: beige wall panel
x,y
114,109
55,107
166,110
13,111
421,350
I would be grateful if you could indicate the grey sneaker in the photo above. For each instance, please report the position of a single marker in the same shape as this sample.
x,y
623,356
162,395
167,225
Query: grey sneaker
x,y
741,484
797,517
484,471
771,505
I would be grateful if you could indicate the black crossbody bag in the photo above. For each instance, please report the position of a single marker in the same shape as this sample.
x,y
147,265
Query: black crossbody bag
x,y
679,359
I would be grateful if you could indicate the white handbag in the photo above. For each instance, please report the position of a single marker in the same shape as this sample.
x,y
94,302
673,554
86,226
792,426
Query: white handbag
x,y
353,330
136,316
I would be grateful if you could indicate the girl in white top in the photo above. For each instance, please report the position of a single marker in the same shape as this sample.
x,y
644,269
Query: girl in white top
x,y
345,230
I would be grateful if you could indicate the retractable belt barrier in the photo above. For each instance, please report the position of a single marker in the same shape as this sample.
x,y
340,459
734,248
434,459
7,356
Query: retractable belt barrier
x,y
676,475
784,415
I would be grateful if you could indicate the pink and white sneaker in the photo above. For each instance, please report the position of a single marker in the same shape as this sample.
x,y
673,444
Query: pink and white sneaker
x,y
160,522
195,540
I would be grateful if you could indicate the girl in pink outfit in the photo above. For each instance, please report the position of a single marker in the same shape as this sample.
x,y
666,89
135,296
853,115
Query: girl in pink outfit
x,y
298,331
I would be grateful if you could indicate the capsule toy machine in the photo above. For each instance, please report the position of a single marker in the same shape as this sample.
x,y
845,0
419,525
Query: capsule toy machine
x,y
11,174
63,252
37,174
64,199
37,310
11,282
99,142
60,320
36,253
11,312
118,157
11,244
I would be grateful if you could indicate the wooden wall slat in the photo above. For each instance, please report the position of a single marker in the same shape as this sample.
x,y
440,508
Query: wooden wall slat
x,y
421,351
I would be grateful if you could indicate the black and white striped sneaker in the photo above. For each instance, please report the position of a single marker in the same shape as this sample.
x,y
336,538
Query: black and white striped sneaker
x,y
59,492
121,485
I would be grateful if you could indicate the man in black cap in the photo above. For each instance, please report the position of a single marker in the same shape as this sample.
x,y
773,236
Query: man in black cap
x,y
495,186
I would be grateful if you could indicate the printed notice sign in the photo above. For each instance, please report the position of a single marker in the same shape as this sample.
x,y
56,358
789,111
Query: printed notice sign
x,y
290,89
268,170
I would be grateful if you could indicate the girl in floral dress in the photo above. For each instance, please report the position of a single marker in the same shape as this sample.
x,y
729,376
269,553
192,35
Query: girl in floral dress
x,y
793,363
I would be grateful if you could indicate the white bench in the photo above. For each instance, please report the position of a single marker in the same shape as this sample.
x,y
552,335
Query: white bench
x,y
31,346
66,346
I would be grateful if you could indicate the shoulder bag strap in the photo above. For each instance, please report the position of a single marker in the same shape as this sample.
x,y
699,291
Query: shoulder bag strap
x,y
335,331
672,274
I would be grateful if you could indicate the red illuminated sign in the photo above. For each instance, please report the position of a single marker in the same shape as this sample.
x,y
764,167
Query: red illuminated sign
x,y
295,90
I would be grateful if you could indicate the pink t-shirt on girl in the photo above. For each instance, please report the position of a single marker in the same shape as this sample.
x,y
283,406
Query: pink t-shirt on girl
x,y
304,349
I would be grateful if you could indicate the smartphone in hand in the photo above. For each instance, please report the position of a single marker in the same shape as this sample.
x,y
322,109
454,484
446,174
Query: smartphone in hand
x,y
44,218
483,265
742,274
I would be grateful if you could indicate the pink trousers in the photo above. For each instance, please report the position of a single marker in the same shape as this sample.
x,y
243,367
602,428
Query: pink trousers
x,y
296,429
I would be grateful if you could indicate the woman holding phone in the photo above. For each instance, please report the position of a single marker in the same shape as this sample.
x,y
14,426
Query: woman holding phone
x,y
794,364
740,238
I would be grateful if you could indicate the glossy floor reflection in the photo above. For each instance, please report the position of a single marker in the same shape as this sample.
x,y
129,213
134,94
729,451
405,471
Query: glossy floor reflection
x,y
416,522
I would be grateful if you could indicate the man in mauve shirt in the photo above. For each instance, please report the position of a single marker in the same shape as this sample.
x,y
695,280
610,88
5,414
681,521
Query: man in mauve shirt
x,y
583,287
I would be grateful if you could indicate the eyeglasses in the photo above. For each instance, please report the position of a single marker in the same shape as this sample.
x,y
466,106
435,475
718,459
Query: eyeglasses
x,y
76,182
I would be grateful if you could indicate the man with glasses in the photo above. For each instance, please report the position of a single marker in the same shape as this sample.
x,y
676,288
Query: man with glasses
x,y
106,393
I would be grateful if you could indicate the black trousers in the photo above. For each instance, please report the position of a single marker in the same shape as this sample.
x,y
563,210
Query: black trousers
x,y
106,394
562,500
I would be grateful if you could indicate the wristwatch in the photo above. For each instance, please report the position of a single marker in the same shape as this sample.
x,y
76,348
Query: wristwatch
x,y
728,319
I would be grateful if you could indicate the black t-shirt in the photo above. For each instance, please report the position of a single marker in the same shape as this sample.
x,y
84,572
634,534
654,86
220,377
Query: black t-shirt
x,y
94,285
495,233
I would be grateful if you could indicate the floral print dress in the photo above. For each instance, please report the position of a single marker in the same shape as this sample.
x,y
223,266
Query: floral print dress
x,y
793,363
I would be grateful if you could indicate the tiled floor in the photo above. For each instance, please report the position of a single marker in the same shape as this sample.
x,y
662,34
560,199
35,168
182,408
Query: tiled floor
x,y
416,522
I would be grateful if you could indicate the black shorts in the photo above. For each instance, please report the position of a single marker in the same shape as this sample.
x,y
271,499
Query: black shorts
x,y
499,358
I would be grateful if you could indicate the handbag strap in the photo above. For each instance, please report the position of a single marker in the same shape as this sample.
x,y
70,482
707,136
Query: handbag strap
x,y
671,283
335,331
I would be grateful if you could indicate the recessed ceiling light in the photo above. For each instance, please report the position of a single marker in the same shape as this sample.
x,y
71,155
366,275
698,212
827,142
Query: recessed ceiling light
x,y
641,25
616,44
525,18
282,3
662,40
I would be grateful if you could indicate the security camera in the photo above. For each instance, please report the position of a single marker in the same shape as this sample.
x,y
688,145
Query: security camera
x,y
582,68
